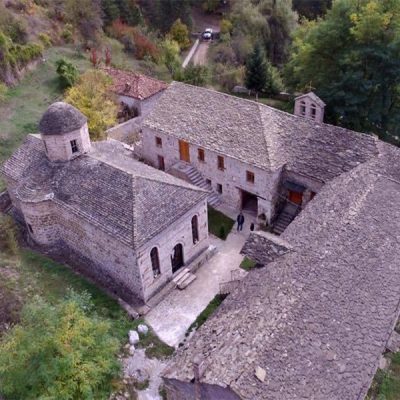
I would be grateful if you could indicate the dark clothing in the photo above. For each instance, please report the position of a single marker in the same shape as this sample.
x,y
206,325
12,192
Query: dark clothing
x,y
240,221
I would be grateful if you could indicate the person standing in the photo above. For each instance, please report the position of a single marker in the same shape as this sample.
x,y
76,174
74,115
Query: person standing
x,y
240,221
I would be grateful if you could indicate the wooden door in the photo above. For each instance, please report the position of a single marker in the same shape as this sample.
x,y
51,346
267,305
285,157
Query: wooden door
x,y
177,258
295,197
161,163
184,151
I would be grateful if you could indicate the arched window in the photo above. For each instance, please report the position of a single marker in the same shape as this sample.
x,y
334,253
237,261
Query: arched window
x,y
155,261
195,230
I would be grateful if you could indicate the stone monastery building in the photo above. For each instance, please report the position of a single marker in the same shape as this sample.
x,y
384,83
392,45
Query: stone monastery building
x,y
130,225
314,320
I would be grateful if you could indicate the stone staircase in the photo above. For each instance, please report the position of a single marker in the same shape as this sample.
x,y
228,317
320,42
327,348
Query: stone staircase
x,y
287,215
189,173
184,278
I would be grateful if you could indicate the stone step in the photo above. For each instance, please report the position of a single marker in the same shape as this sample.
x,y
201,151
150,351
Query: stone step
x,y
180,275
189,278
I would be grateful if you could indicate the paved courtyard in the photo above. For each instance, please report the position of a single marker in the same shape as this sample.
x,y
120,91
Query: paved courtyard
x,y
171,318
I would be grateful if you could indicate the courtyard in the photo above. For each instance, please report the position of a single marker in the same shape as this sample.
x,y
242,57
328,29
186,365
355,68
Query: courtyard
x,y
171,318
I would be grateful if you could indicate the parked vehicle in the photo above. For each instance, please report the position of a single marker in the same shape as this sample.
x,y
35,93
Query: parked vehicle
x,y
207,34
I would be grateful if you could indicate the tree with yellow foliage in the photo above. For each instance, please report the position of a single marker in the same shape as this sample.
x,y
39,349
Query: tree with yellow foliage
x,y
180,33
93,97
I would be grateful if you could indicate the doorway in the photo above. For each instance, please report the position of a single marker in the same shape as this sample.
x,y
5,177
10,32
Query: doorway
x,y
177,258
249,202
184,154
295,197
161,163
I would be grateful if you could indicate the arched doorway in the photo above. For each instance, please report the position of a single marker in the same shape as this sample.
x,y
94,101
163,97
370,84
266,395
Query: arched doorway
x,y
177,257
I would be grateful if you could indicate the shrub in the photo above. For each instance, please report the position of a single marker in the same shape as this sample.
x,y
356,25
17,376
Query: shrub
x,y
68,33
67,73
226,26
11,26
45,39
180,33
3,92
8,235
58,352
194,74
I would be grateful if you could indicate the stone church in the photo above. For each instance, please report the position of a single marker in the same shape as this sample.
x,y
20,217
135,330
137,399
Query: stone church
x,y
128,226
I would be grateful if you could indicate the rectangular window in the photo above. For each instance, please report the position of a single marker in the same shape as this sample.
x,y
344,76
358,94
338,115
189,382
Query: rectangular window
x,y
200,153
209,182
249,176
219,188
161,164
74,146
313,112
30,228
221,163
158,141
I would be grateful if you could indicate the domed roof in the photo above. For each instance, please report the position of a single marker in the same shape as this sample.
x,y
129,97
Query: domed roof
x,y
61,118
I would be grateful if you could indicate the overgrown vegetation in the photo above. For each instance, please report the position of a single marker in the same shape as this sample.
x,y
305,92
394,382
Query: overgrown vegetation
x,y
247,264
206,313
218,223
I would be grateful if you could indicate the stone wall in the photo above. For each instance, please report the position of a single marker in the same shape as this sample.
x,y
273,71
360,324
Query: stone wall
x,y
232,178
179,232
143,106
127,132
308,103
58,147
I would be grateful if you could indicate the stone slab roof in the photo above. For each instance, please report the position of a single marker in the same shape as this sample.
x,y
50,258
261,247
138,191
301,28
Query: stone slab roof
x,y
264,247
318,318
124,197
132,84
257,134
61,118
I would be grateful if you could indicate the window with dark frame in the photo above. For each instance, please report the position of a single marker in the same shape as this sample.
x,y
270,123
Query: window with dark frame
x,y
195,229
74,146
221,163
158,141
219,188
313,110
200,153
155,261
250,176
303,108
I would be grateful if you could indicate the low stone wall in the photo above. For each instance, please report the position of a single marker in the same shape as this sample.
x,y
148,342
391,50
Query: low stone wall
x,y
127,132
191,53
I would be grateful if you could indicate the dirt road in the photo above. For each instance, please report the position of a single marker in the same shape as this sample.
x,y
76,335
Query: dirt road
x,y
200,56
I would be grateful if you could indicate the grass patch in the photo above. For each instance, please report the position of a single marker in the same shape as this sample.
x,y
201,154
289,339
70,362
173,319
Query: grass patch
x,y
219,224
207,312
386,384
247,264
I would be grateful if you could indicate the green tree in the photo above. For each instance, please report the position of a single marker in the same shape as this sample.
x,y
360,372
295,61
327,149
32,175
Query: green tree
x,y
93,97
311,9
256,70
351,59
197,75
58,352
180,33
170,55
67,73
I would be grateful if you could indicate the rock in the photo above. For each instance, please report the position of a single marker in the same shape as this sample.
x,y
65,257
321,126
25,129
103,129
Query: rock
x,y
132,350
141,375
143,329
261,374
133,337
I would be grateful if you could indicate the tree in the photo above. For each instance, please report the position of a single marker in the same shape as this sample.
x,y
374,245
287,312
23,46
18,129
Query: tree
x,y
170,55
58,352
256,70
351,59
67,73
93,97
85,15
180,33
197,75
311,9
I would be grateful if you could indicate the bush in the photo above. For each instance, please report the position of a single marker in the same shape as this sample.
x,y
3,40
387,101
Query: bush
x,y
68,33
67,73
194,75
11,26
180,33
226,26
8,235
45,39
3,92
58,352
227,76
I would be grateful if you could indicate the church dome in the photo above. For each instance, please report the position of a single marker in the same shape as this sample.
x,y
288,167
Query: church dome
x,y
61,118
